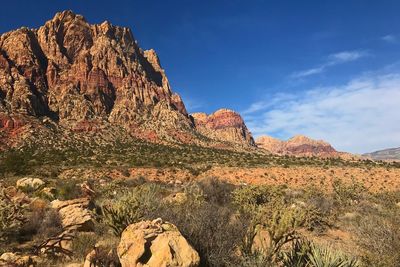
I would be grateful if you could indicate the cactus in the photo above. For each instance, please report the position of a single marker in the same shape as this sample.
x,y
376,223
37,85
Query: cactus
x,y
130,207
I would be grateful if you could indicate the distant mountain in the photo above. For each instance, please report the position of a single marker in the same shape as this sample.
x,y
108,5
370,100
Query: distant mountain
x,y
299,145
385,154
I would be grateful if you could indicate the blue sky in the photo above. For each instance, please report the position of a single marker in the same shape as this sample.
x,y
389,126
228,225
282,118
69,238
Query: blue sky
x,y
327,69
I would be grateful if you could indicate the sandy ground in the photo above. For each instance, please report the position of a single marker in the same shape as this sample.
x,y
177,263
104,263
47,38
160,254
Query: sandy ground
x,y
375,179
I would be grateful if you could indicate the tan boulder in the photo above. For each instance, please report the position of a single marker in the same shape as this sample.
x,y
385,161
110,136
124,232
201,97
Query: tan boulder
x,y
155,244
31,184
178,198
75,214
261,241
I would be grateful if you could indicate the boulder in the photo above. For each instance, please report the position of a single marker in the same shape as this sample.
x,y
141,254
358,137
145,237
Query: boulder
x,y
261,241
75,214
30,184
178,198
153,244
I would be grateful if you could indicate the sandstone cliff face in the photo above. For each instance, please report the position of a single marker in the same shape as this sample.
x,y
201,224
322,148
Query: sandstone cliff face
x,y
85,76
223,125
298,145
72,71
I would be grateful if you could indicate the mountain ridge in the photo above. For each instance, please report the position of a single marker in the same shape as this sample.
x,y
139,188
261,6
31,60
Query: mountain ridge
x,y
385,154
80,75
299,145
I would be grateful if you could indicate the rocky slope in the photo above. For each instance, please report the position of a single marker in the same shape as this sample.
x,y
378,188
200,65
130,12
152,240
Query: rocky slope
x,y
223,125
298,145
81,75
385,154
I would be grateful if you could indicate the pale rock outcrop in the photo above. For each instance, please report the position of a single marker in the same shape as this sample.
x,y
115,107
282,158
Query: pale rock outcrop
x,y
75,214
29,183
153,244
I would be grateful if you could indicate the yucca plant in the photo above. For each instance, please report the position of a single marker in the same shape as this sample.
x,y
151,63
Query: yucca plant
x,y
328,257
298,256
307,254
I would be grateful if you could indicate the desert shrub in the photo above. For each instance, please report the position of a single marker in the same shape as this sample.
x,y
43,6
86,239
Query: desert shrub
x,y
130,207
106,256
379,236
41,224
347,194
281,225
388,199
82,244
51,224
68,189
216,232
250,198
216,191
268,209
256,259
14,161
11,216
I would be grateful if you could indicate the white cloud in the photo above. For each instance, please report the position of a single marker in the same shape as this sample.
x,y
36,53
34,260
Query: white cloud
x,y
389,38
360,116
308,72
346,56
333,59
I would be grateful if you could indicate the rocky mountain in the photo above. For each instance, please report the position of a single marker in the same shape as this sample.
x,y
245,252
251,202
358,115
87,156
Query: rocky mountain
x,y
223,125
385,154
81,76
298,145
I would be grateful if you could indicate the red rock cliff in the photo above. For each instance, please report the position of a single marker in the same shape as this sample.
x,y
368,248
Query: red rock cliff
x,y
224,125
70,70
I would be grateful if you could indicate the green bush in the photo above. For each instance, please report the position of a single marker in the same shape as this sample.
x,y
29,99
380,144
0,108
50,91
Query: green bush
x,y
130,207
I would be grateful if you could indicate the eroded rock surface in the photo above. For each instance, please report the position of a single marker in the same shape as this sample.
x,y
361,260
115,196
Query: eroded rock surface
x,y
298,145
83,76
223,125
75,214
155,243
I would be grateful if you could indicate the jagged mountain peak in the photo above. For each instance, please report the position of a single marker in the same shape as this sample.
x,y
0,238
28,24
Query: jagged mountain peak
x,y
76,73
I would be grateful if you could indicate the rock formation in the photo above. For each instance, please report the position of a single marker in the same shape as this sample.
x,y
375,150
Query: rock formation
x,y
81,75
223,125
75,214
155,243
298,145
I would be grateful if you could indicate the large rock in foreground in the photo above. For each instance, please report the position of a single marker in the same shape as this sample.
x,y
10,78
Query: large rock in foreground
x,y
75,214
154,244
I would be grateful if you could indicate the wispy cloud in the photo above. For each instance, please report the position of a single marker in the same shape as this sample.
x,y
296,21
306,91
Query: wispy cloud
x,y
332,60
360,116
390,38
